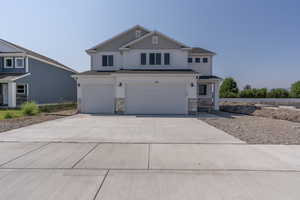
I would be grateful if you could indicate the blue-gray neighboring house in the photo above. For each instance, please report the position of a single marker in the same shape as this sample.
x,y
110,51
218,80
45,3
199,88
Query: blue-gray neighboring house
x,y
28,76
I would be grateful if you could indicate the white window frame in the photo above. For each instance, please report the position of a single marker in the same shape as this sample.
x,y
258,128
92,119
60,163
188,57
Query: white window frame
x,y
19,58
138,33
12,62
25,87
155,39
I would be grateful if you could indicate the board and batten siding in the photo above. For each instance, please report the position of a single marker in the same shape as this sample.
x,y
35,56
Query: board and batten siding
x,y
49,84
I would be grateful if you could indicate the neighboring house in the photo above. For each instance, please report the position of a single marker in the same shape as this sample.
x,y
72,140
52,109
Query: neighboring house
x,y
146,72
29,76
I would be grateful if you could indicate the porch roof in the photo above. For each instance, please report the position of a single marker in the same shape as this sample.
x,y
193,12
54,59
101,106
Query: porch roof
x,y
6,77
208,77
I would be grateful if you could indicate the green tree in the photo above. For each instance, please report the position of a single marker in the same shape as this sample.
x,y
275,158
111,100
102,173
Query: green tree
x,y
254,93
278,93
229,88
295,90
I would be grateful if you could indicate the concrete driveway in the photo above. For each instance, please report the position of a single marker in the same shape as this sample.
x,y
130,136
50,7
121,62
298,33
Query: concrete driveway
x,y
139,158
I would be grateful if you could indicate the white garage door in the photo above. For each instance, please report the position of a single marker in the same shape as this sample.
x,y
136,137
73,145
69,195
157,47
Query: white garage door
x,y
97,98
156,99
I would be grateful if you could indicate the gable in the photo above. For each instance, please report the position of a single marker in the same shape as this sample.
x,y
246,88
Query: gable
x,y
6,48
116,42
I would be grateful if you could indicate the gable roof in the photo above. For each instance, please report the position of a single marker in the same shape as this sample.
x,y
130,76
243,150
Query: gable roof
x,y
154,33
116,36
38,56
201,50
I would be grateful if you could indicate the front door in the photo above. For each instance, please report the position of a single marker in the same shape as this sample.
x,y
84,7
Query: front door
x,y
5,94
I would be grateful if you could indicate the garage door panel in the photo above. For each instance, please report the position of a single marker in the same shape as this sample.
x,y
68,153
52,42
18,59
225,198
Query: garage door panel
x,y
156,99
97,98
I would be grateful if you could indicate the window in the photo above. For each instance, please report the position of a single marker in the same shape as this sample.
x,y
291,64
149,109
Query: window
x,y
155,39
190,60
19,62
143,59
155,58
8,62
138,33
202,89
167,58
197,60
21,89
107,60
205,60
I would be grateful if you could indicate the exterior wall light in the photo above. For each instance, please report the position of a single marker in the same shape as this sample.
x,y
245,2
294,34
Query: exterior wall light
x,y
78,84
192,84
156,82
120,84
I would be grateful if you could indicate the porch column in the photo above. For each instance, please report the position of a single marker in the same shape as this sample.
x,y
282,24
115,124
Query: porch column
x,y
12,95
216,95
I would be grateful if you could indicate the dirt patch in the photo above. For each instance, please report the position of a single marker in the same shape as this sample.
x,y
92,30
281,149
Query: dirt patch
x,y
9,124
262,111
256,130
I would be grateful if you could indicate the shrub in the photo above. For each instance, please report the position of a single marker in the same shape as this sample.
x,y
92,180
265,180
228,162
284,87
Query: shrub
x,y
8,115
295,90
229,88
30,108
278,93
254,93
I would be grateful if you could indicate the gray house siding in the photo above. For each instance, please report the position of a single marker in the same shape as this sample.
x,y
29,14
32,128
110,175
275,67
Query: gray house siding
x,y
11,70
49,84
163,43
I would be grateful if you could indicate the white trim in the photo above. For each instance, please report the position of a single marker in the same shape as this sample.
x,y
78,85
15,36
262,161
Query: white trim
x,y
25,87
12,62
51,63
26,64
152,33
23,62
12,54
90,50
21,77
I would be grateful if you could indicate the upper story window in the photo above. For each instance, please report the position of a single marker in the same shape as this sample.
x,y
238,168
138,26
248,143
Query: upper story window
x,y
107,60
205,60
155,39
155,58
197,60
138,33
19,62
143,58
190,60
8,62
166,58
202,89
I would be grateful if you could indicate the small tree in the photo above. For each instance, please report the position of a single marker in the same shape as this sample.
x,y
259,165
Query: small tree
x,y
247,87
295,90
278,93
229,88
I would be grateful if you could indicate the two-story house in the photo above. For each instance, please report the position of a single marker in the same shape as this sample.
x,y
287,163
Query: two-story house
x,y
146,72
29,76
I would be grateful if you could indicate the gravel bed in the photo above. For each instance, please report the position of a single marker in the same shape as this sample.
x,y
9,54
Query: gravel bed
x,y
255,130
9,124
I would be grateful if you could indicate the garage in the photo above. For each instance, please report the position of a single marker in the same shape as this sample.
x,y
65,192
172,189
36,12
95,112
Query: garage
x,y
156,98
97,98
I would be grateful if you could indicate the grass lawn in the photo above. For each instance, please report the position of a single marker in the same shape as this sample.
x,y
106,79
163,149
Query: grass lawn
x,y
15,113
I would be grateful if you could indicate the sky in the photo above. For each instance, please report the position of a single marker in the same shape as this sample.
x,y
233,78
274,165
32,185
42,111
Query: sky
x,y
257,41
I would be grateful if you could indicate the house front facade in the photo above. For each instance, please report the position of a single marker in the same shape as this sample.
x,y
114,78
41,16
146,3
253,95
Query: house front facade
x,y
146,72
29,76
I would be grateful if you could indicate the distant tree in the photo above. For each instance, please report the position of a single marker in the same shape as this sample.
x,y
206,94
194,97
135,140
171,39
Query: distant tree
x,y
229,88
278,93
295,90
254,93
247,87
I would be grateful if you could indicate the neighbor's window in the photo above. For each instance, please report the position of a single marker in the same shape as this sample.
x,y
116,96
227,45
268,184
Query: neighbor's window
x,y
205,60
190,60
21,89
166,58
138,33
202,89
155,58
155,39
143,59
8,62
107,60
197,60
19,62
